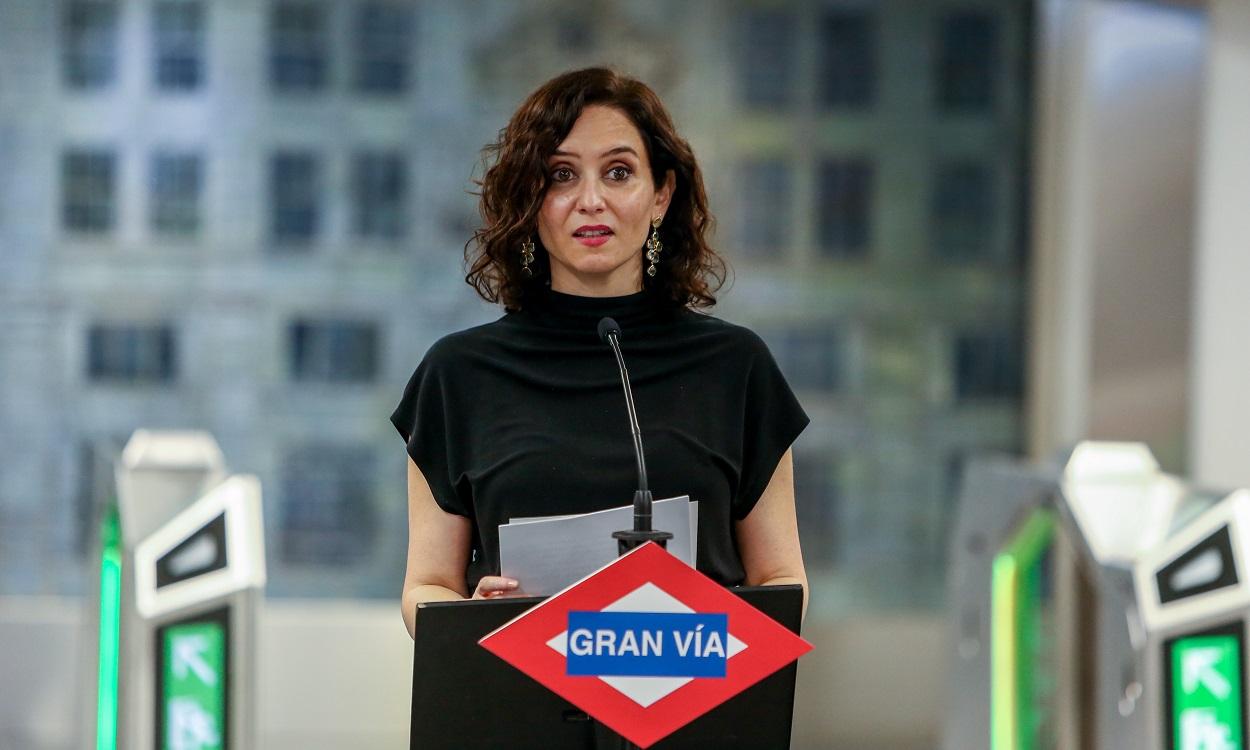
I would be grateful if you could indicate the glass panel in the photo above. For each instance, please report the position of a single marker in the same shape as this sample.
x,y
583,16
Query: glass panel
x,y
810,357
988,365
176,186
843,186
333,351
380,195
179,44
963,212
384,33
764,200
818,505
575,33
133,354
89,44
967,60
294,197
848,59
88,179
298,46
326,516
845,208
764,41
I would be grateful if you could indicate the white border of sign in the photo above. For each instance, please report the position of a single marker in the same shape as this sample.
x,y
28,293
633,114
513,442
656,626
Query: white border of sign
x,y
239,497
1195,612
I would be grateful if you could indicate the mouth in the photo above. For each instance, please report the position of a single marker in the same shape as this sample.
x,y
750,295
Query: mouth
x,y
593,236
595,231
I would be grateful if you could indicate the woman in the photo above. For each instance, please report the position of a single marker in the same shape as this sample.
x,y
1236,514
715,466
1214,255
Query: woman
x,y
594,207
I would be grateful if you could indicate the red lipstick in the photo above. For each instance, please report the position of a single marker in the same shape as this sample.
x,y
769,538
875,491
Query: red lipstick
x,y
593,235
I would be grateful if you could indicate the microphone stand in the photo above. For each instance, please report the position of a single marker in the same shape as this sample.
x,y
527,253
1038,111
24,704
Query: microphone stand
x,y
642,532
629,539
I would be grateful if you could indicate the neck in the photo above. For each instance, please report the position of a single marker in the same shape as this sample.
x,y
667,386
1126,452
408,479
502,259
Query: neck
x,y
553,308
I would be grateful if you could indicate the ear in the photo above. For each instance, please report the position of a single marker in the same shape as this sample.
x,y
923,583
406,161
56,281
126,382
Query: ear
x,y
664,195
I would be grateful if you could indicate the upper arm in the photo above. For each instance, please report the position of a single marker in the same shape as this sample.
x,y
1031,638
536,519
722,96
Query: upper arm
x,y
438,541
768,538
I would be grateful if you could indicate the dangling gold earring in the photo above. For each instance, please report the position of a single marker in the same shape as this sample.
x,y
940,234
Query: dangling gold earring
x,y
654,246
527,257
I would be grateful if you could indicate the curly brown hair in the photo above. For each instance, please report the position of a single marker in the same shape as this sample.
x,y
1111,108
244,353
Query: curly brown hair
x,y
513,187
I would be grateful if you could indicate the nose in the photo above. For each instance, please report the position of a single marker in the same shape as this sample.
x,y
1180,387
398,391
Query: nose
x,y
590,197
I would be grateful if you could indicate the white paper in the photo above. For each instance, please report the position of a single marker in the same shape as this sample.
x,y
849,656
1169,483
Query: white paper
x,y
547,554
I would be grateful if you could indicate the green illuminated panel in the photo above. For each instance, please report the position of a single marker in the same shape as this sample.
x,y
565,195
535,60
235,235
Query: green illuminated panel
x,y
110,629
1206,693
193,686
1017,684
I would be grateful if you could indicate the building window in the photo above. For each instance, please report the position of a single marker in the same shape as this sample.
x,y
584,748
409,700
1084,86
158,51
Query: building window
x,y
962,211
294,190
132,353
817,505
765,196
845,194
89,44
333,351
380,193
967,58
299,46
764,55
988,366
576,34
810,358
176,184
88,180
327,515
179,44
384,32
848,63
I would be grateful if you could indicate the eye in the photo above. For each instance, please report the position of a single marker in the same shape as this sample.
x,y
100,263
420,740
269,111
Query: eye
x,y
620,173
562,174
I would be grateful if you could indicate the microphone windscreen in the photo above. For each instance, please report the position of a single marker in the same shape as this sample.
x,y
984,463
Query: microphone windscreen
x,y
608,326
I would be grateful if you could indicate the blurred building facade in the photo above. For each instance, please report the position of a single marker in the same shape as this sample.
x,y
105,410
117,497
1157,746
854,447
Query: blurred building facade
x,y
248,217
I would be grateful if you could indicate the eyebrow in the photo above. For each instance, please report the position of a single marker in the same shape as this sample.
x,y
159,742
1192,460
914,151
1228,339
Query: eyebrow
x,y
609,152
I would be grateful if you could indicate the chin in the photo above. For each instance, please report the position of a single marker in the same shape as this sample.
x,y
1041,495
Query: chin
x,y
597,265
593,263
589,270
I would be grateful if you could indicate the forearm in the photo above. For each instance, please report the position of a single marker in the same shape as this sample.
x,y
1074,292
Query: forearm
x,y
428,592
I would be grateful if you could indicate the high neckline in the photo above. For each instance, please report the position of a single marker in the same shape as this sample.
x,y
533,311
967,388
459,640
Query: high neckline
x,y
572,311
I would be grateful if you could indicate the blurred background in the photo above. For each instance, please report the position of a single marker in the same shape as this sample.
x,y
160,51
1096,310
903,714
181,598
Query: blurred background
x,y
962,226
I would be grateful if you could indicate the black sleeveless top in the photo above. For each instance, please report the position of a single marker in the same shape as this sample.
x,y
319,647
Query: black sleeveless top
x,y
525,416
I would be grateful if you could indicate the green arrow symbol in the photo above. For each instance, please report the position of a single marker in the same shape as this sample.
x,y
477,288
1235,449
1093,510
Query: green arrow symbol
x,y
189,655
1198,667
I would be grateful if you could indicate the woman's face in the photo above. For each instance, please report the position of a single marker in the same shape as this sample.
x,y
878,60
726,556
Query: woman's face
x,y
598,208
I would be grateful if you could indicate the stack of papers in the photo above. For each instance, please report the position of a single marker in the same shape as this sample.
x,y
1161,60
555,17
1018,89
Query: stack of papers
x,y
550,553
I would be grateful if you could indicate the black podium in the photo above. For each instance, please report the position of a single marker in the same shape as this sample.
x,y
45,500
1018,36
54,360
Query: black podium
x,y
464,697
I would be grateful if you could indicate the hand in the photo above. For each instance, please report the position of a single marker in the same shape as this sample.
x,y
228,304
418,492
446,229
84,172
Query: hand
x,y
492,587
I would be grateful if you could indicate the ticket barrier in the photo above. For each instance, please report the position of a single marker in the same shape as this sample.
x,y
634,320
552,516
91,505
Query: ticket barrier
x,y
1195,602
1118,504
193,575
1003,504
1041,600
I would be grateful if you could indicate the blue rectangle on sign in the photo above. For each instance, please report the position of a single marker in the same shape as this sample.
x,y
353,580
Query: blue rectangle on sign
x,y
647,644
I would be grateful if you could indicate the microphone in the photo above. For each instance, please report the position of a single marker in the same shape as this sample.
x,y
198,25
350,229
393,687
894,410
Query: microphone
x,y
610,333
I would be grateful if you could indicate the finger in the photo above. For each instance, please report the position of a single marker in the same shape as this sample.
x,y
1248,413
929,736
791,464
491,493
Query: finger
x,y
494,586
498,583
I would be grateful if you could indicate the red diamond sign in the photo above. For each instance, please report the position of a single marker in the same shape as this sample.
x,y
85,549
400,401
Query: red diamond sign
x,y
646,645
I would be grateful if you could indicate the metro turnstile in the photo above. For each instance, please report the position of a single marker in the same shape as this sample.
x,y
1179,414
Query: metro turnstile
x,y
1046,637
1195,606
192,570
